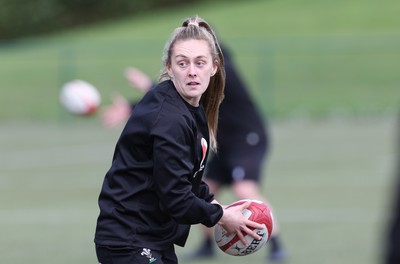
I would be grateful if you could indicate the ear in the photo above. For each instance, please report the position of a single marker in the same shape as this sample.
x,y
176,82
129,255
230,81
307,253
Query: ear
x,y
169,71
214,69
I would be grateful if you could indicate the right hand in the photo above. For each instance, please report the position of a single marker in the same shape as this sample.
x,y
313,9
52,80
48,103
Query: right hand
x,y
138,79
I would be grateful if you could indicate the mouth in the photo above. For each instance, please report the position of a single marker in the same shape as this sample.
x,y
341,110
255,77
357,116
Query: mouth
x,y
193,83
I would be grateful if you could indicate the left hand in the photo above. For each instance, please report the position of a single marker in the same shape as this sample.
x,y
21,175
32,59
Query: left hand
x,y
233,221
118,112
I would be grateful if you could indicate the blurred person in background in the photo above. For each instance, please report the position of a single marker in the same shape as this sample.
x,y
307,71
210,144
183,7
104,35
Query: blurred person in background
x,y
243,145
392,245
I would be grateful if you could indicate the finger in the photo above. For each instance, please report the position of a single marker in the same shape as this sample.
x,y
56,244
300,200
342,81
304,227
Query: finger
x,y
253,224
242,206
242,238
251,233
245,204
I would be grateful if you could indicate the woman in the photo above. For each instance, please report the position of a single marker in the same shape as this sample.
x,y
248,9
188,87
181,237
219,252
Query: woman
x,y
154,191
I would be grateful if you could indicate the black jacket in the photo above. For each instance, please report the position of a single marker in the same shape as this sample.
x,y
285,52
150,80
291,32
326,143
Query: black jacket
x,y
153,191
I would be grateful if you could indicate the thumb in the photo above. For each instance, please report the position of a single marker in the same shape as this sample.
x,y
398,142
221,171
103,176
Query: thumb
x,y
245,205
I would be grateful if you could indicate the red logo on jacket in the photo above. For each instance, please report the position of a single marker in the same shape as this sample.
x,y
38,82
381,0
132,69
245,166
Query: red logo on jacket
x,y
204,147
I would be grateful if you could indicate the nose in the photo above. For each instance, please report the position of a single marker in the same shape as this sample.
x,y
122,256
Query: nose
x,y
192,71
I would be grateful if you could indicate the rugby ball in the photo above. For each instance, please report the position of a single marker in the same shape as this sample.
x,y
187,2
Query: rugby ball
x,y
80,97
230,244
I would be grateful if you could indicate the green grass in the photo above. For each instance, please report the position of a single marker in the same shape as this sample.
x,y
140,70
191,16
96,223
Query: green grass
x,y
329,183
301,58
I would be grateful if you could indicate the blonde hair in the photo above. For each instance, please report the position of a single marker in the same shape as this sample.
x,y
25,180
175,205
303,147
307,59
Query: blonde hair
x,y
197,28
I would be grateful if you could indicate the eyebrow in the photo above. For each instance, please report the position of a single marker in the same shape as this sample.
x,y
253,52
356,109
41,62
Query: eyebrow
x,y
198,57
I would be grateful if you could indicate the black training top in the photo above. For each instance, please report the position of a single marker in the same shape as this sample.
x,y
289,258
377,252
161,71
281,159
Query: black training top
x,y
153,191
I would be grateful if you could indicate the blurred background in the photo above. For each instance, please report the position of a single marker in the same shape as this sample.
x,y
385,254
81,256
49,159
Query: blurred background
x,y
324,73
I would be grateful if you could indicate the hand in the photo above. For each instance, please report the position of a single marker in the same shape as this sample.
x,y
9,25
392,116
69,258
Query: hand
x,y
118,112
138,79
233,221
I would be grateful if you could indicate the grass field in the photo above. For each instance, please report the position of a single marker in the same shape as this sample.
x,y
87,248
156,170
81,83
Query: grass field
x,y
325,73
301,58
329,182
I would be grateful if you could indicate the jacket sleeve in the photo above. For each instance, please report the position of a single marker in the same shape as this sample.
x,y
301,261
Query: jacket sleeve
x,y
173,168
204,192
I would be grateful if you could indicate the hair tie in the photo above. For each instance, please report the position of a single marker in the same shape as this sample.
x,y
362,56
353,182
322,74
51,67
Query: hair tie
x,y
194,23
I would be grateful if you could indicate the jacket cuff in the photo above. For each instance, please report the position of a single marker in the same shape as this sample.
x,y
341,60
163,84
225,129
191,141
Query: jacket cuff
x,y
215,216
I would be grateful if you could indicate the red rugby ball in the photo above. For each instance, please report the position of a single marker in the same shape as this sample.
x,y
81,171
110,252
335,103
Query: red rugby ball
x,y
230,244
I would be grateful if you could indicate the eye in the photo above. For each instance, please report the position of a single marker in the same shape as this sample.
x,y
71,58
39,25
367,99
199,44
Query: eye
x,y
201,63
182,64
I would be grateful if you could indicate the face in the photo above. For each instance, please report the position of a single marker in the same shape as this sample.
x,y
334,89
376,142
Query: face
x,y
191,68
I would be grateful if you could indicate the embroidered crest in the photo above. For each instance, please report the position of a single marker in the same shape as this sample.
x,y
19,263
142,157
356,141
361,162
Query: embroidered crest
x,y
147,253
